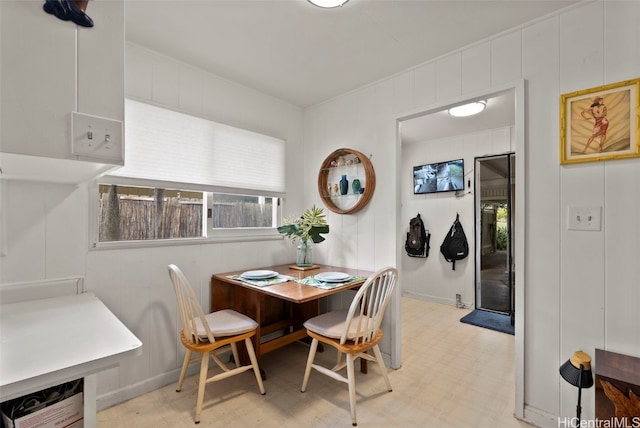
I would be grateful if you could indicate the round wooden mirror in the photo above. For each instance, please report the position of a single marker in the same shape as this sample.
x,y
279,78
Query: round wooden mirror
x,y
346,181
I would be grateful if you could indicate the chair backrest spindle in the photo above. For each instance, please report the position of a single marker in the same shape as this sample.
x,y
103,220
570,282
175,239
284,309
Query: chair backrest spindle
x,y
368,306
192,316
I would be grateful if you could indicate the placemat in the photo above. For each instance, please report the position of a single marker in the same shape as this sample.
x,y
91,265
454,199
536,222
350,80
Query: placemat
x,y
263,282
312,281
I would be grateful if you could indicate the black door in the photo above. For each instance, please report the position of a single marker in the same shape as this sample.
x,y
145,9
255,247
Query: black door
x,y
494,192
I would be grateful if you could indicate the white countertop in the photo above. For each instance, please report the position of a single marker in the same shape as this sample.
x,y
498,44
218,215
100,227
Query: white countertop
x,y
46,342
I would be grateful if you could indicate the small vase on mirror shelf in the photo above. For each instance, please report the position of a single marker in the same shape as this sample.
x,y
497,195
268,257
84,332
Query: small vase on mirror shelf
x,y
344,185
355,185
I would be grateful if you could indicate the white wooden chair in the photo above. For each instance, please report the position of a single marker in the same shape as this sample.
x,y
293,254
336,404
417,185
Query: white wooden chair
x,y
353,332
211,335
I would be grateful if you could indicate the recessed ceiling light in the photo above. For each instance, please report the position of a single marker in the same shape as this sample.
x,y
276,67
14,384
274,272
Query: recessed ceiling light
x,y
328,3
468,109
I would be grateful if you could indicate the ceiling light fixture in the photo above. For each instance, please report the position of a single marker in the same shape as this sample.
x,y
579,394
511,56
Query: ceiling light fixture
x,y
468,109
328,4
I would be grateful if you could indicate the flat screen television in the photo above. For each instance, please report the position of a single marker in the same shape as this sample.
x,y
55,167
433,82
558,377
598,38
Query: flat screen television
x,y
438,177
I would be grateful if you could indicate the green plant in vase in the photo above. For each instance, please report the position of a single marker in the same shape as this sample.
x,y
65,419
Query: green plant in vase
x,y
306,229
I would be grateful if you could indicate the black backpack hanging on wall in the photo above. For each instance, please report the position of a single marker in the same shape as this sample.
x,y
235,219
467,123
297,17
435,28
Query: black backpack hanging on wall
x,y
417,243
455,245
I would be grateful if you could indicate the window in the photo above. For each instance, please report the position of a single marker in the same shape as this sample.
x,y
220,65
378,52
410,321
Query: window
x,y
237,211
131,213
189,178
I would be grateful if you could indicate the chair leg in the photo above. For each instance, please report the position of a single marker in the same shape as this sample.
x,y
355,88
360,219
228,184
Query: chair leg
x,y
234,351
183,371
383,368
254,363
202,381
351,378
310,358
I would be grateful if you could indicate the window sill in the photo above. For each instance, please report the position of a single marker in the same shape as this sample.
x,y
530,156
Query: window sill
x,y
220,236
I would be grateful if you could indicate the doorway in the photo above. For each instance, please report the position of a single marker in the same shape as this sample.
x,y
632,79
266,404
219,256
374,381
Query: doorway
x,y
495,269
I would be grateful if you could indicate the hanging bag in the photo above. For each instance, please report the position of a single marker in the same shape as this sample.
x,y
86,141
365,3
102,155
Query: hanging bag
x,y
417,243
455,245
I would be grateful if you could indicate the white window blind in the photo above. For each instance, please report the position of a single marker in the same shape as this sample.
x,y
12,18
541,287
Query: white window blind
x,y
165,145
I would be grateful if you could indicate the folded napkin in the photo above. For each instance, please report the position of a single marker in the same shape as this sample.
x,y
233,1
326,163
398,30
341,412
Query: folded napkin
x,y
263,282
312,281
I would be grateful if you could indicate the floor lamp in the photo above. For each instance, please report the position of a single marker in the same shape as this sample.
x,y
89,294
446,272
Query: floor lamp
x,y
577,371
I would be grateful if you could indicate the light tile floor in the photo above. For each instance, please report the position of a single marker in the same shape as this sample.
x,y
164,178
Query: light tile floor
x,y
452,375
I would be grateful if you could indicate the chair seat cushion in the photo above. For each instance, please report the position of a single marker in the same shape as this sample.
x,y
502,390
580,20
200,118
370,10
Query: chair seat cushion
x,y
331,324
226,322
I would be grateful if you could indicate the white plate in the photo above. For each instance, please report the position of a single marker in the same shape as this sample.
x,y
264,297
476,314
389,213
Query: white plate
x,y
333,276
258,274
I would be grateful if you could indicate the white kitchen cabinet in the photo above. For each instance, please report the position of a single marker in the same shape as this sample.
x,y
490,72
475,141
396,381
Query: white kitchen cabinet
x,y
49,69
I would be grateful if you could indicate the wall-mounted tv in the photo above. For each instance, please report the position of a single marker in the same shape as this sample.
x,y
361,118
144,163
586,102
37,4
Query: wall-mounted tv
x,y
438,177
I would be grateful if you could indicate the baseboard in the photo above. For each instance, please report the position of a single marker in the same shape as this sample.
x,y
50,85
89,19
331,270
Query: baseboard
x,y
121,395
539,417
434,299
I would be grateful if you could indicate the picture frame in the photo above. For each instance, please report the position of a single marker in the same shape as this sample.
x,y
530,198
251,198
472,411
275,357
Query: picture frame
x,y
600,123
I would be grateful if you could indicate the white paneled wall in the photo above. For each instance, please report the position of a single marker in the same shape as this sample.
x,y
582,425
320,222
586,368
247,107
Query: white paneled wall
x,y
134,283
475,68
46,233
622,246
580,288
541,295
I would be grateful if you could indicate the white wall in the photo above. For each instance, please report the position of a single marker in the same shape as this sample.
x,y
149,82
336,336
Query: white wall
x,y
581,289
45,226
134,283
433,278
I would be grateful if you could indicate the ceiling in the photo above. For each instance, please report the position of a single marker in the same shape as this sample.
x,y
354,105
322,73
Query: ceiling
x,y
303,54
436,125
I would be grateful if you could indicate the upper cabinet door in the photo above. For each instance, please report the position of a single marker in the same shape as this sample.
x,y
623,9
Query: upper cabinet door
x,y
51,68
101,55
38,60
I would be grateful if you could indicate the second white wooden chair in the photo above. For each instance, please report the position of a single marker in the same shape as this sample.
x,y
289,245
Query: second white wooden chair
x,y
353,332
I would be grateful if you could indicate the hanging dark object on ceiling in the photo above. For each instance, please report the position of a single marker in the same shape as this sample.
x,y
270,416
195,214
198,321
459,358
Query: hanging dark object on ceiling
x,y
69,10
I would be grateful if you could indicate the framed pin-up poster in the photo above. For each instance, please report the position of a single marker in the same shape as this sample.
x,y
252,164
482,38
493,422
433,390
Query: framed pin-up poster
x,y
600,123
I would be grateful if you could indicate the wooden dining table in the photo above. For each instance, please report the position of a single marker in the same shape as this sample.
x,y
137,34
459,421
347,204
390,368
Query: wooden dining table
x,y
280,309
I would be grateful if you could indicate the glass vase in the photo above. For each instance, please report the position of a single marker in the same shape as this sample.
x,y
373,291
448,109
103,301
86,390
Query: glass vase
x,y
356,186
304,254
344,185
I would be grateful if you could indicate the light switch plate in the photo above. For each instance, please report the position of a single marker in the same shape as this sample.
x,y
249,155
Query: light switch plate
x,y
584,218
96,137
